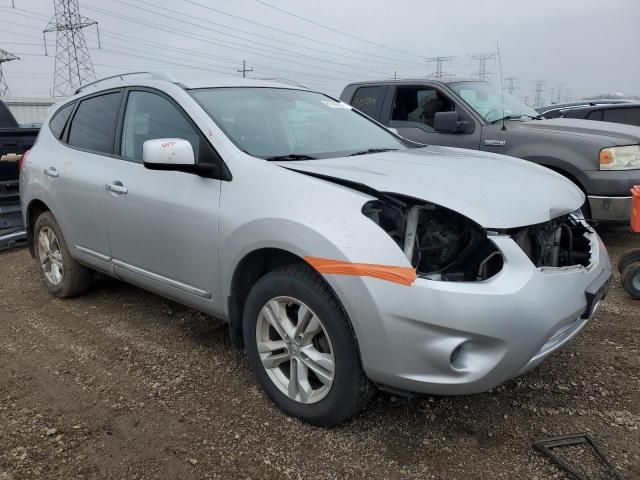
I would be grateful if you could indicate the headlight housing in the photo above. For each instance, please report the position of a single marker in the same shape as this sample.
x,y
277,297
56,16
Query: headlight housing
x,y
620,158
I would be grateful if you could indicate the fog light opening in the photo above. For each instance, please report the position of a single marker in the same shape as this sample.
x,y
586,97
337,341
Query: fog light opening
x,y
457,357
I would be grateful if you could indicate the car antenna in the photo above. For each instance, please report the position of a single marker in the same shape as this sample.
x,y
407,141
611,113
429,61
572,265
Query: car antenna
x,y
501,84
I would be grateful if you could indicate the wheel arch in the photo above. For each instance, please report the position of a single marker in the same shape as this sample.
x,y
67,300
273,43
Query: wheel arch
x,y
35,208
253,266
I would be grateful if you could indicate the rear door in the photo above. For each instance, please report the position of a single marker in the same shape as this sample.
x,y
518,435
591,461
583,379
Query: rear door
x,y
163,225
412,113
75,175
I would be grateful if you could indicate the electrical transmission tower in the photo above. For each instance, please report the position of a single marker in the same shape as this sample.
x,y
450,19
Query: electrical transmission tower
x,y
537,100
73,66
511,86
439,61
482,59
5,57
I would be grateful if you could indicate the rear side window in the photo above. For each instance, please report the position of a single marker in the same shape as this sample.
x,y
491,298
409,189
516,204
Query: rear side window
x,y
369,100
149,116
630,116
553,114
94,124
595,115
59,120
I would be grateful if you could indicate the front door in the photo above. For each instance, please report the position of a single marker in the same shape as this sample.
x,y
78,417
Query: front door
x,y
413,112
163,225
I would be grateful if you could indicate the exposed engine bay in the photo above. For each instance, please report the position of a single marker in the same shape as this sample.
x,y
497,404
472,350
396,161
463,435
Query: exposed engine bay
x,y
444,245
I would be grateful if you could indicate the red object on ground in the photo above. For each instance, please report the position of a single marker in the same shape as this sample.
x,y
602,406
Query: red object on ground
x,y
635,208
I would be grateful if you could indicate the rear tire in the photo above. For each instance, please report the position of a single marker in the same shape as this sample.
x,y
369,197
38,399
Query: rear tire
x,y
628,258
631,279
309,362
63,276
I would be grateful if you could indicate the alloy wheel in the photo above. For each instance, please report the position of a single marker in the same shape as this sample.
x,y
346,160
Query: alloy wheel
x,y
50,256
295,350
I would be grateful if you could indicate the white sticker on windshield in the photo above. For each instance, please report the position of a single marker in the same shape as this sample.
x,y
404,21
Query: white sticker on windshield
x,y
334,104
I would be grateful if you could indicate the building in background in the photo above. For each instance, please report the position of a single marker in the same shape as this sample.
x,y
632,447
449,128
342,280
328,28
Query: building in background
x,y
29,110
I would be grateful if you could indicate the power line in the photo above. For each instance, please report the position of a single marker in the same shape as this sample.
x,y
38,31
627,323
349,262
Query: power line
x,y
291,33
4,58
129,39
73,65
440,61
482,59
313,22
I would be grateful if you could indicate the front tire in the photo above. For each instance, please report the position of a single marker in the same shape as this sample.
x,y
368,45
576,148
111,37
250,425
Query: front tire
x,y
63,276
301,348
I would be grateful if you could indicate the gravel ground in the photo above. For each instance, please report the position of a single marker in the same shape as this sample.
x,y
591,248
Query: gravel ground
x,y
120,383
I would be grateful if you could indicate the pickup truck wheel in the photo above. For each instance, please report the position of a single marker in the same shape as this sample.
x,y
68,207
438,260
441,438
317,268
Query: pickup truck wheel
x,y
63,276
628,258
301,347
631,279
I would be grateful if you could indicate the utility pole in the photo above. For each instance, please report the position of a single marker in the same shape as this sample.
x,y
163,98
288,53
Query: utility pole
x,y
538,101
73,66
482,59
244,70
5,57
511,86
439,61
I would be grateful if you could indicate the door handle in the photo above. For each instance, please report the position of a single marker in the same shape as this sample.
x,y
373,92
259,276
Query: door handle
x,y
51,172
117,187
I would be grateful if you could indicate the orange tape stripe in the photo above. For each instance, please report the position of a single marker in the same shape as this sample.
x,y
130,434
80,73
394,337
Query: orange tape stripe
x,y
401,275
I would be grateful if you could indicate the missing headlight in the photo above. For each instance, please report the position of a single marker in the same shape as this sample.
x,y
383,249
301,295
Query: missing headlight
x,y
439,243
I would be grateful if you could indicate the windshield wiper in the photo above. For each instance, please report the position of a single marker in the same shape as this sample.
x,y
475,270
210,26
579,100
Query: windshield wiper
x,y
515,117
373,150
290,156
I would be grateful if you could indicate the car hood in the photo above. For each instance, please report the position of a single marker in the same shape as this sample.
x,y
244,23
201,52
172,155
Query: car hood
x,y
493,190
612,133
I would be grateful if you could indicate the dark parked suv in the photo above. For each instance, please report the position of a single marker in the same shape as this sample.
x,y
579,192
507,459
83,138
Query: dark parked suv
x,y
603,159
628,113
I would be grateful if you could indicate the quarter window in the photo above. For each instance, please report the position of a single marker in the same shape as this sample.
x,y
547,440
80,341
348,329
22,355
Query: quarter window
x,y
94,124
369,100
595,115
59,120
149,116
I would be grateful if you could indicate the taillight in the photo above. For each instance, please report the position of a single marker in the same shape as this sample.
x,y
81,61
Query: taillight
x,y
22,159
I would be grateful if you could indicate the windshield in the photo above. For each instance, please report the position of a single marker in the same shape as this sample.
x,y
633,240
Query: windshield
x,y
486,99
279,122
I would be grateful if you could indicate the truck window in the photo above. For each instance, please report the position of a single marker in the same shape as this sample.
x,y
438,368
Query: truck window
x,y
94,124
418,106
369,100
595,115
59,120
630,116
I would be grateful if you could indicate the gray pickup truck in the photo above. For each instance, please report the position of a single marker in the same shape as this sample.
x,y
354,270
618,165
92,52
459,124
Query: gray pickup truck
x,y
14,141
603,159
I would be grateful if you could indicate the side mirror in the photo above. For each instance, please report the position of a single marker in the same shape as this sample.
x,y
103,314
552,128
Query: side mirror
x,y
448,122
168,154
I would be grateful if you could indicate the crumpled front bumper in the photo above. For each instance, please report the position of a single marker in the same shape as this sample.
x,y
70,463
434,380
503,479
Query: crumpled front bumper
x,y
452,338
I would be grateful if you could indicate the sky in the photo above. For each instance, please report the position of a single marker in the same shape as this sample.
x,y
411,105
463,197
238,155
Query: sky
x,y
581,47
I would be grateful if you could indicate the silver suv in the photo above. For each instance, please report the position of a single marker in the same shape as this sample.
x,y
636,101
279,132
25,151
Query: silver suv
x,y
343,257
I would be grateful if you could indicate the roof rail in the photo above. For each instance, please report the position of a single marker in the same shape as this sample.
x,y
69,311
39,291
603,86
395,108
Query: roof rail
x,y
154,75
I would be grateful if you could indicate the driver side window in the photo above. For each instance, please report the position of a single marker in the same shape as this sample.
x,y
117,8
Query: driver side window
x,y
417,106
149,116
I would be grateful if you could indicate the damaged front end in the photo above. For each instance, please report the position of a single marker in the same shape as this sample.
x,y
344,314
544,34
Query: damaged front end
x,y
444,245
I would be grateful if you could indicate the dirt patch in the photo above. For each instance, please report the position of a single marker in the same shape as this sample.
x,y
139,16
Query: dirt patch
x,y
120,383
